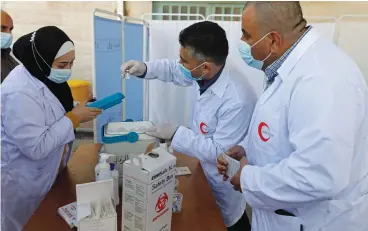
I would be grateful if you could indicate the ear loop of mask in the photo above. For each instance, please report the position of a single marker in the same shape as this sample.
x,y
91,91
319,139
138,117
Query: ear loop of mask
x,y
260,41
198,66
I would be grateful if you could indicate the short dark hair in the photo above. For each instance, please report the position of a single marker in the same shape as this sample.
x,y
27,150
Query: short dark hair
x,y
282,16
207,40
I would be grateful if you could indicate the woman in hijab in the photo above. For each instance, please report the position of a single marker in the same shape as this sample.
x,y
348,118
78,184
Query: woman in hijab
x,y
37,122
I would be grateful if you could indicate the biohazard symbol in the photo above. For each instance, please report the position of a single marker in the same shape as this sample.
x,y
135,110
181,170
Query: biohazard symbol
x,y
161,202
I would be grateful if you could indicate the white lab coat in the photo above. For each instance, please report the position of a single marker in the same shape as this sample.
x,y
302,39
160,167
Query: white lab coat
x,y
308,144
34,132
220,120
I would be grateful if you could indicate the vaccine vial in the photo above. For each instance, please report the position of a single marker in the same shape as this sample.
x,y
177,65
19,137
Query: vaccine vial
x,y
127,75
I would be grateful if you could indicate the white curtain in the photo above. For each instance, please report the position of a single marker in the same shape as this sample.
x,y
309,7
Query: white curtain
x,y
168,103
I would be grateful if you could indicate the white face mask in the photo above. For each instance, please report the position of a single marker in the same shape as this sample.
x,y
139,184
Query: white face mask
x,y
6,40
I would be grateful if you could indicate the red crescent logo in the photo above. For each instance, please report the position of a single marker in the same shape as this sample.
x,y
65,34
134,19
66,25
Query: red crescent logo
x,y
201,126
260,127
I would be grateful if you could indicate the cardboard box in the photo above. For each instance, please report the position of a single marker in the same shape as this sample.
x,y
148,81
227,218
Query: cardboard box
x,y
89,196
148,186
122,149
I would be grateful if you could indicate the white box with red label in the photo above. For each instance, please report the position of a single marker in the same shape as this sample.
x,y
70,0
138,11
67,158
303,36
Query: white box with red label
x,y
148,187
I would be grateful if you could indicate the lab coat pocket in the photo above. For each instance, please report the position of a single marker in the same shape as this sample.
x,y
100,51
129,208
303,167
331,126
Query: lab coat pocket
x,y
285,223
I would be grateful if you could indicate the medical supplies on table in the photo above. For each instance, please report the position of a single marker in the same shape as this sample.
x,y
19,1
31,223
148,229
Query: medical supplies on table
x,y
95,209
125,138
176,186
69,214
105,170
148,187
177,200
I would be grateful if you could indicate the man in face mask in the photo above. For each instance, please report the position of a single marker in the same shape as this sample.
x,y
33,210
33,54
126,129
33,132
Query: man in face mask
x,y
265,47
304,162
222,110
7,61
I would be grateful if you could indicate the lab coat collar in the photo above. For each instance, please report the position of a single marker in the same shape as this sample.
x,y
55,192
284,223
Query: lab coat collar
x,y
37,83
42,88
219,87
308,40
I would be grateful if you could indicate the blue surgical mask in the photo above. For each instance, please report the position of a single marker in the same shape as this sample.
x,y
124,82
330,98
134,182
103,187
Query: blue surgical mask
x,y
56,75
245,51
59,75
6,40
188,73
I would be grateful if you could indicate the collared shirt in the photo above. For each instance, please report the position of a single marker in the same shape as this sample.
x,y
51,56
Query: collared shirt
x,y
205,84
271,70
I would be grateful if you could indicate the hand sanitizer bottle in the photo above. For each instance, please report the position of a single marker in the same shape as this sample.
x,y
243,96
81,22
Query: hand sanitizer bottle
x,y
104,168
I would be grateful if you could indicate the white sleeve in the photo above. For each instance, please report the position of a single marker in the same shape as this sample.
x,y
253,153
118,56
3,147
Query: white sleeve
x,y
166,71
322,122
24,122
231,128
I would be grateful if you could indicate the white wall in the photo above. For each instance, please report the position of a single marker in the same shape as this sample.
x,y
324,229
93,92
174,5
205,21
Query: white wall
x,y
75,18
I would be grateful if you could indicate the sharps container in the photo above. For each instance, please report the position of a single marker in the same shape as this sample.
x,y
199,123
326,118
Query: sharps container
x,y
80,89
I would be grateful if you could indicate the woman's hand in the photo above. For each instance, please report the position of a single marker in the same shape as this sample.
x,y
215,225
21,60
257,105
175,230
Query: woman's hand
x,y
84,113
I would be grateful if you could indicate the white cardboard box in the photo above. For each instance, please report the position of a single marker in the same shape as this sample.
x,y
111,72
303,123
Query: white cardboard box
x,y
148,186
122,150
89,194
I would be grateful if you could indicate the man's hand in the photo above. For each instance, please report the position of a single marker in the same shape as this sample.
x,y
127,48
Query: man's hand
x,y
235,180
236,152
163,131
222,167
133,68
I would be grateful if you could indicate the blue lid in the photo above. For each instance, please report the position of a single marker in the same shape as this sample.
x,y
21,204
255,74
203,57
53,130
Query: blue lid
x,y
112,166
108,101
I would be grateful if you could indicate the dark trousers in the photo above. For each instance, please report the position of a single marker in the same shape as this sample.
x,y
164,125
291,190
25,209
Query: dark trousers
x,y
241,225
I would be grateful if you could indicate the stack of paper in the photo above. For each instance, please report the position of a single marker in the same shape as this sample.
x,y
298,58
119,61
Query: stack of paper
x,y
69,214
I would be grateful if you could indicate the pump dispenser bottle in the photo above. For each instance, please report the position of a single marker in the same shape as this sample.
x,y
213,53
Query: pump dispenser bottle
x,y
104,168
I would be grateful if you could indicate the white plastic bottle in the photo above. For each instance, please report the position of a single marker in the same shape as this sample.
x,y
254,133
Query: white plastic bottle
x,y
115,177
104,168
101,160
97,169
106,171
